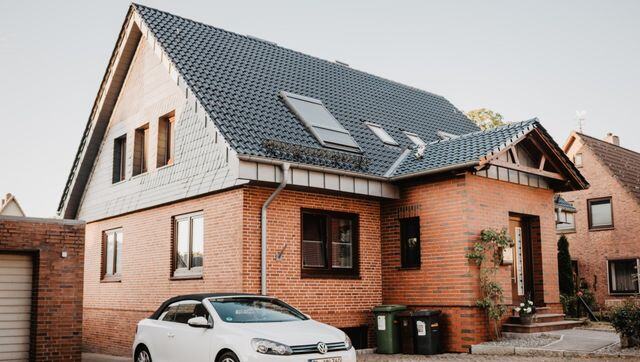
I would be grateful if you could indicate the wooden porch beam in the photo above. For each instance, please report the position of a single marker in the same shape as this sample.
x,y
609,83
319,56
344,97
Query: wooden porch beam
x,y
531,170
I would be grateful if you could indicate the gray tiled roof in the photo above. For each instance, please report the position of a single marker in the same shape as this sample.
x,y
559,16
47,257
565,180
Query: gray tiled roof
x,y
238,78
467,148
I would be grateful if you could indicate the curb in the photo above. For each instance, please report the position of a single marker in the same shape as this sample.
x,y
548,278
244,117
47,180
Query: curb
x,y
479,349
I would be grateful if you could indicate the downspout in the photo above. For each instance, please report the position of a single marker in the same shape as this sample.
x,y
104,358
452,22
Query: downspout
x,y
263,223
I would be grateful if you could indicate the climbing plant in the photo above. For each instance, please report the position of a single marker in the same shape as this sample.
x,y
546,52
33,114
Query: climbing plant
x,y
487,254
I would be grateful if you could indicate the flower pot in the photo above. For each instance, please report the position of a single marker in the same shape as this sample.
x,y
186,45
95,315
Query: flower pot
x,y
526,319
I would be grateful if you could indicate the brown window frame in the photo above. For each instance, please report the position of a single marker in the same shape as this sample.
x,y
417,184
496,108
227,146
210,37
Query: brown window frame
x,y
404,263
589,216
190,272
610,280
116,276
119,159
141,150
166,146
329,271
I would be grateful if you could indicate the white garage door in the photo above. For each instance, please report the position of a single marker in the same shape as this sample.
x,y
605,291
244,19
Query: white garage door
x,y
15,306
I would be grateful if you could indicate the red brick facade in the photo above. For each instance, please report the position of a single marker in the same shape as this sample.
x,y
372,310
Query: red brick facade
x,y
452,212
56,323
593,248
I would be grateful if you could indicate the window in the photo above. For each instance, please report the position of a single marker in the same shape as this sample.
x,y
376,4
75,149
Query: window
x,y
329,243
141,150
565,221
600,213
577,160
188,244
181,312
415,139
119,158
112,254
410,243
315,116
255,310
381,133
446,135
623,276
166,144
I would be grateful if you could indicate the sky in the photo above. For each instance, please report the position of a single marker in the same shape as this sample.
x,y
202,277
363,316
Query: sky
x,y
524,59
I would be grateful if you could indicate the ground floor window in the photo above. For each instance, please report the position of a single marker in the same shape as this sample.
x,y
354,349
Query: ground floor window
x,y
112,254
329,243
188,244
623,276
410,242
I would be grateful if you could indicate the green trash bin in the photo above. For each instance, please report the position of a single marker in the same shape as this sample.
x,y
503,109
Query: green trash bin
x,y
387,329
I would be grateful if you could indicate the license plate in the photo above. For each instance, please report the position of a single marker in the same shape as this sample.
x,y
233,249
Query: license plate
x,y
329,359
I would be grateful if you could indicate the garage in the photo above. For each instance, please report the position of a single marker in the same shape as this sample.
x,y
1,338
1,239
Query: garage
x,y
16,275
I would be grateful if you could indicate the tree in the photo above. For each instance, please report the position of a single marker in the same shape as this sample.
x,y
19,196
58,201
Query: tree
x,y
486,118
565,271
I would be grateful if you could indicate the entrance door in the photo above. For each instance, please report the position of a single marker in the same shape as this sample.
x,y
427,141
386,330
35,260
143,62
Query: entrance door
x,y
522,271
15,306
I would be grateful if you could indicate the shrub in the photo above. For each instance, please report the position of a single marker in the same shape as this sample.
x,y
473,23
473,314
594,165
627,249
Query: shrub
x,y
565,271
626,320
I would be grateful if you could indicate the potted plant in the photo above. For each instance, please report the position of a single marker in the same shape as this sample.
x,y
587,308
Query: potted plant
x,y
526,311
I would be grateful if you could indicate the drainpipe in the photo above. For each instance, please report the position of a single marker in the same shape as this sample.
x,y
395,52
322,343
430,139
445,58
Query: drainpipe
x,y
263,223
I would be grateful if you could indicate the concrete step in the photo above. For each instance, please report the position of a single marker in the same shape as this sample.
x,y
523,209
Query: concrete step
x,y
540,318
540,327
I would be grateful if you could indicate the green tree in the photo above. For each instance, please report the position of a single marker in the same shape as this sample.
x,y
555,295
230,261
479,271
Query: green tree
x,y
486,118
565,271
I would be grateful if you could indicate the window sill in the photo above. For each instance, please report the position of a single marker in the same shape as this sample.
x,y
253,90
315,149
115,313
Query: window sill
x,y
119,182
328,275
568,231
622,294
111,279
602,228
197,276
164,166
408,268
139,175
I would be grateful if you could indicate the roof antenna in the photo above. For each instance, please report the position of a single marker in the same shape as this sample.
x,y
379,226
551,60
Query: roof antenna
x,y
581,116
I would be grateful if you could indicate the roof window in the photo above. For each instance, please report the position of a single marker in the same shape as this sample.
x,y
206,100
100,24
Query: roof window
x,y
446,135
320,122
381,133
415,139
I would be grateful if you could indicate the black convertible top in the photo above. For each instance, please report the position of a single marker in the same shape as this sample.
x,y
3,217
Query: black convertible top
x,y
198,297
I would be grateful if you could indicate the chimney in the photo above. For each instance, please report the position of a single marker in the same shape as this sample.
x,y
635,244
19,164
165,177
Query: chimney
x,y
613,139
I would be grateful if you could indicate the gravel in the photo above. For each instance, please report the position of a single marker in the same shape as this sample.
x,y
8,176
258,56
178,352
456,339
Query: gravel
x,y
615,349
528,342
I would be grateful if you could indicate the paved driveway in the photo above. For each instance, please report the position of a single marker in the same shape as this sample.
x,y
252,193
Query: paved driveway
x,y
470,357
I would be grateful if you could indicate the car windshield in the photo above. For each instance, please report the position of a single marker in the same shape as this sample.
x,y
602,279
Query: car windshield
x,y
255,310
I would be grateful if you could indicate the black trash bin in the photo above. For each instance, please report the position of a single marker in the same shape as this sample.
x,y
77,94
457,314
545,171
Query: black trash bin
x,y
426,325
405,321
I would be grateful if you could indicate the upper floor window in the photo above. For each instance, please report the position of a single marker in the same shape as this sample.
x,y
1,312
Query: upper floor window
x,y
623,276
166,140
410,242
119,158
577,159
112,254
329,243
188,244
600,213
565,221
141,150
381,133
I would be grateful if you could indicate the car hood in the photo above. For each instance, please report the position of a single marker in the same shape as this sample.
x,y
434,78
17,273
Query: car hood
x,y
291,333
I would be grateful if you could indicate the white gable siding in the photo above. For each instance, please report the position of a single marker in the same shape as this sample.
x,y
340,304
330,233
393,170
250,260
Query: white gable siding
x,y
200,164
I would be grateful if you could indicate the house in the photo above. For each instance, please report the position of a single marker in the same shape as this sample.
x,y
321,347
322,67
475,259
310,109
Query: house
x,y
9,206
219,162
41,280
604,239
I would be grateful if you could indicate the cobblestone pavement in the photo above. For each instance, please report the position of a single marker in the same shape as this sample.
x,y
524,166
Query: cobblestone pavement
x,y
470,357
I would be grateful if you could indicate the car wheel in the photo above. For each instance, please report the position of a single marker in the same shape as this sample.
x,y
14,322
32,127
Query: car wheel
x,y
228,357
142,355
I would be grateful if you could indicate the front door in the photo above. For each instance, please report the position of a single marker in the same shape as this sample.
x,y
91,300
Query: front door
x,y
522,271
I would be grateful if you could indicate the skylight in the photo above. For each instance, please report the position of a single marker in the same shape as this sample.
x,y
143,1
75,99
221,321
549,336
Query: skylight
x,y
381,133
415,139
446,135
320,122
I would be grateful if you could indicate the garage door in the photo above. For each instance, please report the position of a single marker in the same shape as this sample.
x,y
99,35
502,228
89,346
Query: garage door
x,y
15,306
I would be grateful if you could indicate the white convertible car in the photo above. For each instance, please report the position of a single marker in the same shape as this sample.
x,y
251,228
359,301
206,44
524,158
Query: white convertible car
x,y
236,328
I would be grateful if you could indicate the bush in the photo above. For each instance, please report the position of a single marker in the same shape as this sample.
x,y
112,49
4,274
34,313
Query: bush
x,y
565,271
626,320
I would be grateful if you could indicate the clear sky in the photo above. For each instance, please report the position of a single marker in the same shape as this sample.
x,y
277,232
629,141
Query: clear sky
x,y
524,59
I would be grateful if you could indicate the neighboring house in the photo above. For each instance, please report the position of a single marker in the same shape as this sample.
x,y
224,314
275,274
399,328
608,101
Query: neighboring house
x,y
605,238
196,131
9,206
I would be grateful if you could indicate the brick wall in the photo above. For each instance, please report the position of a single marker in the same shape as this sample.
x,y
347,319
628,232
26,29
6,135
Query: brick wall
x,y
57,323
452,213
592,249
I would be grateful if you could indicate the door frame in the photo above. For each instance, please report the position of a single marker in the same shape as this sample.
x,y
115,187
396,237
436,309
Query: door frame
x,y
522,221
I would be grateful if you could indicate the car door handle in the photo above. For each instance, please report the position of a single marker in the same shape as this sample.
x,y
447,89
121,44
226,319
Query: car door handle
x,y
170,335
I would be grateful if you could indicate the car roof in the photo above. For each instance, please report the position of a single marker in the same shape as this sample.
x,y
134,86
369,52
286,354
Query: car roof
x,y
199,297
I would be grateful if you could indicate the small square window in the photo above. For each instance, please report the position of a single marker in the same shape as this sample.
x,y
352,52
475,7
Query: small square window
x,y
410,243
600,213
623,276
577,159
188,245
112,254
382,134
119,158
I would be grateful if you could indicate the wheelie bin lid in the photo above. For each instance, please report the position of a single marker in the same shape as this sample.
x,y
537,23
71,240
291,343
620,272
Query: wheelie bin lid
x,y
427,313
389,308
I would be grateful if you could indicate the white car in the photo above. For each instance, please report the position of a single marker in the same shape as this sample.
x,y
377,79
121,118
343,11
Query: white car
x,y
236,328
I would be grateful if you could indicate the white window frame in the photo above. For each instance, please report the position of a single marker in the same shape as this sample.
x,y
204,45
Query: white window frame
x,y
608,267
381,133
190,270
417,140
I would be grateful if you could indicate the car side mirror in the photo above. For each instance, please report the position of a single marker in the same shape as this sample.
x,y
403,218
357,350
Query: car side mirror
x,y
306,315
199,322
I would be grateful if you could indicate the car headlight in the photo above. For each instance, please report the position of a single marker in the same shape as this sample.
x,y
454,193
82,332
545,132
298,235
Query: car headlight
x,y
266,346
347,342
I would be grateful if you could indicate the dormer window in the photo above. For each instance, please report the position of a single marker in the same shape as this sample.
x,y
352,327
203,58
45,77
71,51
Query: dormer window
x,y
381,133
320,122
415,139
